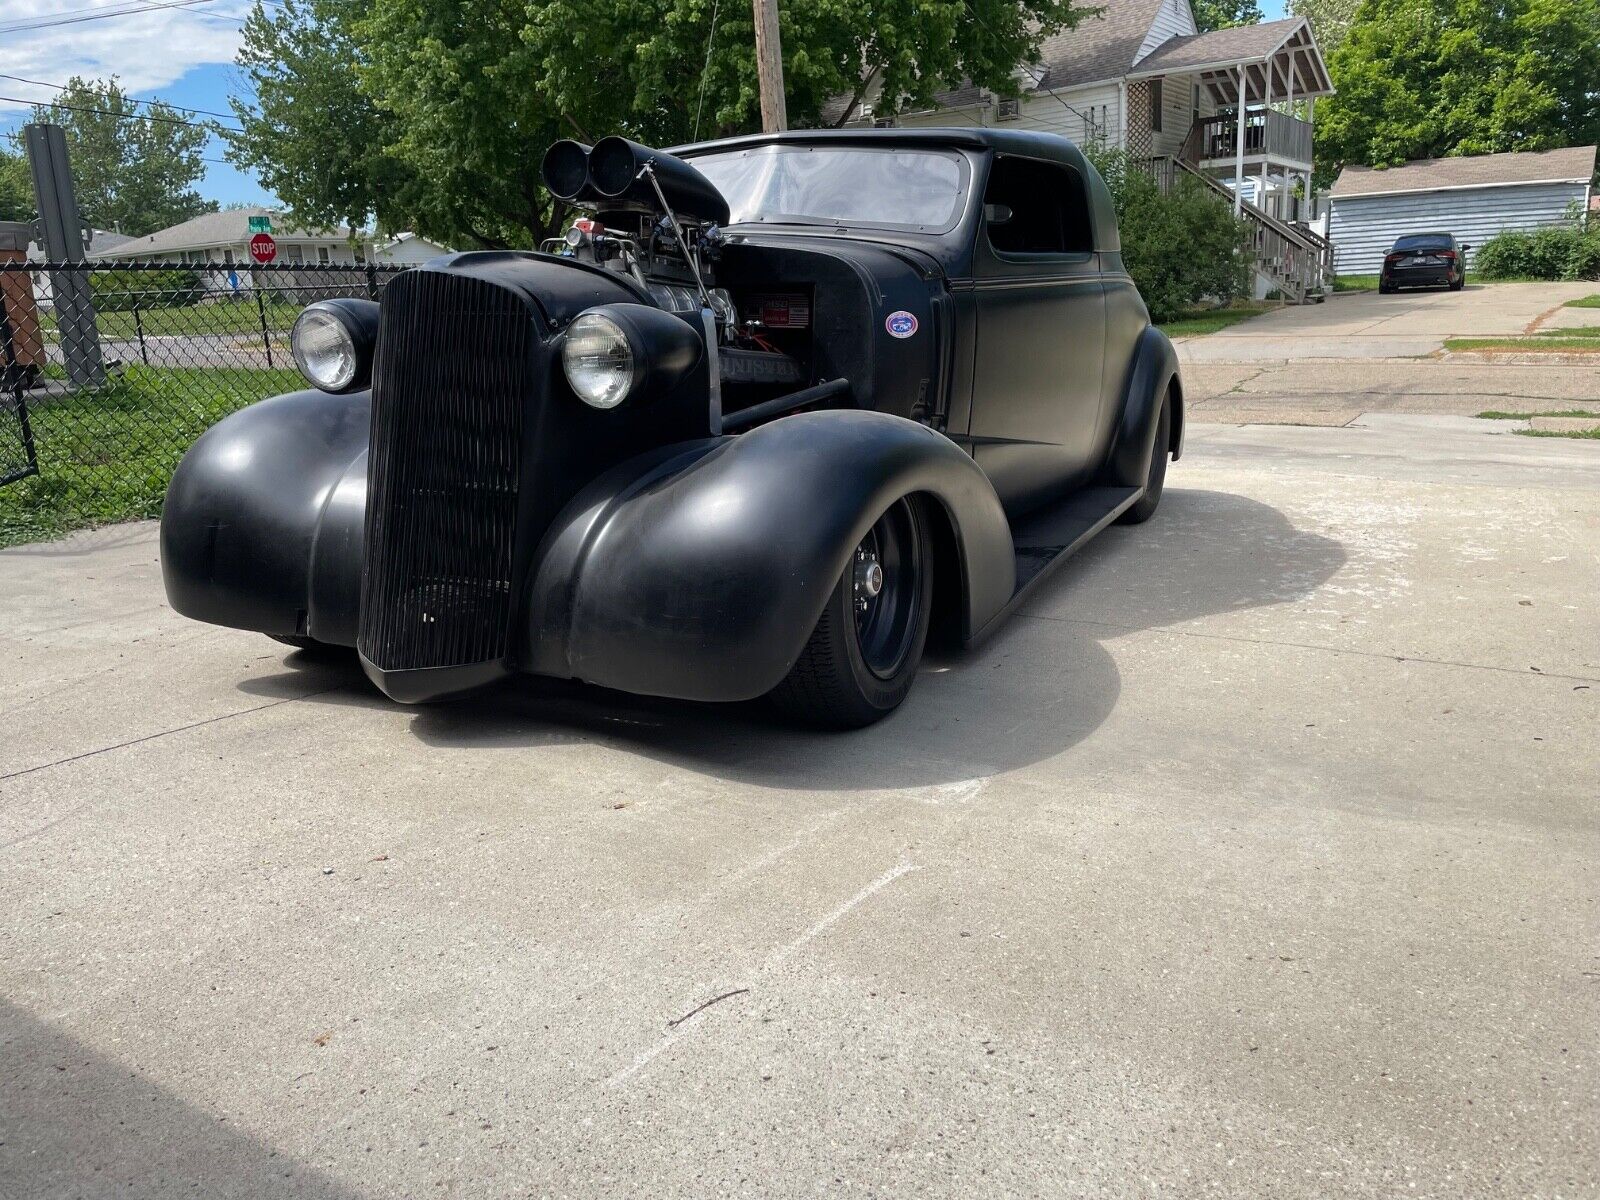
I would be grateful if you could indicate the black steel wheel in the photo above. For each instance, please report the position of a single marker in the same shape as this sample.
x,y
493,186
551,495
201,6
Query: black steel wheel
x,y
1145,506
862,657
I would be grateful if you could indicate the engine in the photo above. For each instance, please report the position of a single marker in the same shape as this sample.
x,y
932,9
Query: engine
x,y
653,217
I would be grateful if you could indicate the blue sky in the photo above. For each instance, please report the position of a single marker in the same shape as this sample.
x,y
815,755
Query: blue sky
x,y
181,55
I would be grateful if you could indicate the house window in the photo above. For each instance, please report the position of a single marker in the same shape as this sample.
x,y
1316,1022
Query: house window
x,y
297,254
324,256
1034,207
227,256
1155,106
1194,101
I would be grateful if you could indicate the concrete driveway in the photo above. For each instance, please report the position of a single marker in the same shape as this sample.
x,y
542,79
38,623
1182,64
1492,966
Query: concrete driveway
x,y
1365,325
1257,857
1358,353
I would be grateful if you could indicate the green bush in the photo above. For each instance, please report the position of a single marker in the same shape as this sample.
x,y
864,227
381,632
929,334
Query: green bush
x,y
1554,252
123,291
1182,247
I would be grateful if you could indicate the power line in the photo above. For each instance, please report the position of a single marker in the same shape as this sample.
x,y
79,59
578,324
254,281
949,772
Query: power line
x,y
61,87
97,14
106,112
1038,80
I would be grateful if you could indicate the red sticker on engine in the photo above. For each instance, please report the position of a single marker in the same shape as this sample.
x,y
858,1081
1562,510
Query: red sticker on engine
x,y
781,312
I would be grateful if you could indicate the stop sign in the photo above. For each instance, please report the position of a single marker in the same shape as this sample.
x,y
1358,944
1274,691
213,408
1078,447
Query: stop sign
x,y
262,248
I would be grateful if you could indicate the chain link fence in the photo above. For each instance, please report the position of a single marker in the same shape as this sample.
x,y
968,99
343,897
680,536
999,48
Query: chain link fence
x,y
99,400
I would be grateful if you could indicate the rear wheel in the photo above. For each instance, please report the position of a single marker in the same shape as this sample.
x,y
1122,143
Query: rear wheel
x,y
1385,289
1459,282
1145,507
862,656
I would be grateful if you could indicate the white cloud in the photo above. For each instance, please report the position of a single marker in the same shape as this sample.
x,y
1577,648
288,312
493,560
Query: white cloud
x,y
146,51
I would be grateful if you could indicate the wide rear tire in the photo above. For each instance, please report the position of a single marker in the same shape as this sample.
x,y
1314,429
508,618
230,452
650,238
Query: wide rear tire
x,y
862,657
1145,507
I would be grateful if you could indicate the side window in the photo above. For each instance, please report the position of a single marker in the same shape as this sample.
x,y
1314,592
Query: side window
x,y
1155,106
1034,207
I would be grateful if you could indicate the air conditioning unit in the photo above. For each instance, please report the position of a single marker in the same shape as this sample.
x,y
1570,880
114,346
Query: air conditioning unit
x,y
1008,110
883,122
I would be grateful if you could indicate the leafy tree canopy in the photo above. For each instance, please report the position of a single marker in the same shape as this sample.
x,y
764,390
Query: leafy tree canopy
x,y
132,175
16,188
1224,14
434,114
1330,20
1430,78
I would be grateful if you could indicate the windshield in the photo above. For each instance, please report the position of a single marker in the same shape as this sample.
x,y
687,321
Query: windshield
x,y
1424,241
840,185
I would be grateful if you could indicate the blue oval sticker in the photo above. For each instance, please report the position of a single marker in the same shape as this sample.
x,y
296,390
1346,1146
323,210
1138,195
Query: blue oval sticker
x,y
900,324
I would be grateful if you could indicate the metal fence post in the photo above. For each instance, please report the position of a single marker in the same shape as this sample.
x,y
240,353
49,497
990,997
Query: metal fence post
x,y
138,325
372,281
266,337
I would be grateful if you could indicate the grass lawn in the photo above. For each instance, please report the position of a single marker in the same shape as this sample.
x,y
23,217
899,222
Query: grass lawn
x,y
1355,283
222,317
107,455
1209,320
1584,302
1577,340
1495,414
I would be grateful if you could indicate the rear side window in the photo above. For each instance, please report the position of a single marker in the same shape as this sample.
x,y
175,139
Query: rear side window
x,y
1034,207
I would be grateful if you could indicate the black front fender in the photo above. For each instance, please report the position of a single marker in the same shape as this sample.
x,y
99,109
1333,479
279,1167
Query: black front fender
x,y
1153,371
699,571
244,518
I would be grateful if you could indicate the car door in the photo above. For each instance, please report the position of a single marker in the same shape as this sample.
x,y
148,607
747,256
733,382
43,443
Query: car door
x,y
1038,359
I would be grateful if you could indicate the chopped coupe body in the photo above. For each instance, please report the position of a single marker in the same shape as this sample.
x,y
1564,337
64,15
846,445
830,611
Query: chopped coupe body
x,y
774,412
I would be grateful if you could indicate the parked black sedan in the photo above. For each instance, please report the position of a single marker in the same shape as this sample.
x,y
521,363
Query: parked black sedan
x,y
1424,260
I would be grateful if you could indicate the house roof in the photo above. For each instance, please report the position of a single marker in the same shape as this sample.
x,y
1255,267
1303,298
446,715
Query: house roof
x,y
1573,164
1273,55
1103,46
230,227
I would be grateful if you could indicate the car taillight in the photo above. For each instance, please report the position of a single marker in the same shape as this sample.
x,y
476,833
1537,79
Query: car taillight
x,y
1393,258
1448,255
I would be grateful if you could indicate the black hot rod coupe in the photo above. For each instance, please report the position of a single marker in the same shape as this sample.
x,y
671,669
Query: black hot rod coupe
x,y
773,412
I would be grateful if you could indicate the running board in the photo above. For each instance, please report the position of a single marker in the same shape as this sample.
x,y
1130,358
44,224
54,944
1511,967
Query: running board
x,y
1044,540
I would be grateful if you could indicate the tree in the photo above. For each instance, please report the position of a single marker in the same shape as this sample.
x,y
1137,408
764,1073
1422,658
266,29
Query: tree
x,y
134,165
434,115
1224,14
16,188
1330,20
1429,78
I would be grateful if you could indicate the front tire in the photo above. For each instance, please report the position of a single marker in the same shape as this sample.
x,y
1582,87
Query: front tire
x,y
1145,507
862,657
310,647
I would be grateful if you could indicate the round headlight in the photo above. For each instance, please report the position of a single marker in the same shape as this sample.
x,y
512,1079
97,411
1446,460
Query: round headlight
x,y
323,349
598,360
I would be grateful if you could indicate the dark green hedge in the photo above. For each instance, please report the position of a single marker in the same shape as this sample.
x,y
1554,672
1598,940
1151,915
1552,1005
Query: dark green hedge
x,y
1184,247
122,291
1554,252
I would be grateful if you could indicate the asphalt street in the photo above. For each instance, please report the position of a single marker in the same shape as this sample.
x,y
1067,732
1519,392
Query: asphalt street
x,y
1255,857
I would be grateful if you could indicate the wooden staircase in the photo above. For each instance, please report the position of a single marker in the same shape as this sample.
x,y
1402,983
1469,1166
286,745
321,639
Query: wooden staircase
x,y
1297,261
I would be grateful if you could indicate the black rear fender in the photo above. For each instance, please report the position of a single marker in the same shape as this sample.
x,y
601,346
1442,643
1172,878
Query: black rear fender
x,y
1152,374
699,571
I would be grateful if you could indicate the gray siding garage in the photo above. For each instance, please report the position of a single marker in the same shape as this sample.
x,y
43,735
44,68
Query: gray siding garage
x,y
1472,197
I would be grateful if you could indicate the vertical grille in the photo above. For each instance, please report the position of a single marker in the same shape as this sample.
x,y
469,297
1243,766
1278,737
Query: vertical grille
x,y
453,375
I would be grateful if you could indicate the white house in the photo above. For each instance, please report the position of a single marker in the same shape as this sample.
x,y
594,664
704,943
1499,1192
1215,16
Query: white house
x,y
1230,105
223,239
1473,197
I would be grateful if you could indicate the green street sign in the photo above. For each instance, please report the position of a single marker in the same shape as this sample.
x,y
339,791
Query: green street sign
x,y
260,224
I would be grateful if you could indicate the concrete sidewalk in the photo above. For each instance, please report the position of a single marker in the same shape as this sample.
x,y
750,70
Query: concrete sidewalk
x,y
1256,857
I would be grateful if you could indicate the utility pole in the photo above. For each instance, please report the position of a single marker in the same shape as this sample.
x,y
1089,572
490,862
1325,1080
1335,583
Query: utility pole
x,y
769,67
62,234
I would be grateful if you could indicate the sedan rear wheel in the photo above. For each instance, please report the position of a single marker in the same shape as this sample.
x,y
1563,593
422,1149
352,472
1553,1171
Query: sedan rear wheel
x,y
862,657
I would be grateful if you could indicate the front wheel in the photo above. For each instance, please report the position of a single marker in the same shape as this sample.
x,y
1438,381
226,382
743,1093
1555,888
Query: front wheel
x,y
862,656
310,647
